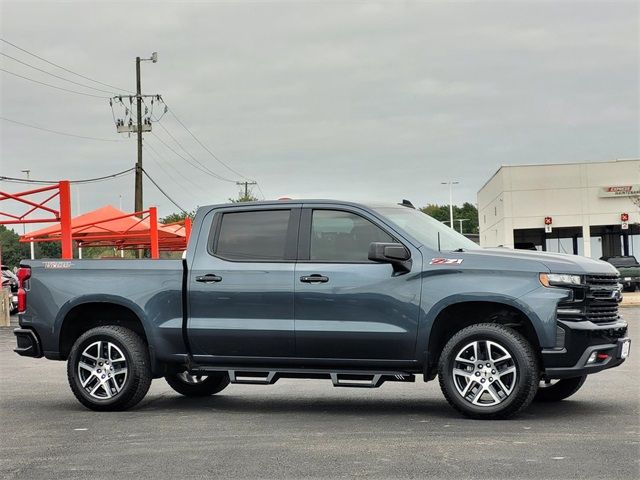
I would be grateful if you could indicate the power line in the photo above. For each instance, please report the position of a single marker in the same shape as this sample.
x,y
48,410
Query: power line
x,y
56,76
261,192
160,158
53,182
162,191
204,146
61,67
197,167
192,157
53,86
59,133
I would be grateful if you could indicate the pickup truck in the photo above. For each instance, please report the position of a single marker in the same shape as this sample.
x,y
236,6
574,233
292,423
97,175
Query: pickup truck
x,y
629,270
356,294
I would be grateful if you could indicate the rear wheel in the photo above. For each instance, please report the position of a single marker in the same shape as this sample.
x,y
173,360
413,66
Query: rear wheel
x,y
556,390
488,371
197,385
109,368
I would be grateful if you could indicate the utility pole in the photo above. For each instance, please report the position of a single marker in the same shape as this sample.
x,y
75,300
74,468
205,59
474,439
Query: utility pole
x,y
124,126
451,184
138,189
246,187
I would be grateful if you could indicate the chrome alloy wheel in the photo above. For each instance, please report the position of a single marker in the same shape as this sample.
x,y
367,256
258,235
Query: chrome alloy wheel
x,y
102,370
484,373
191,379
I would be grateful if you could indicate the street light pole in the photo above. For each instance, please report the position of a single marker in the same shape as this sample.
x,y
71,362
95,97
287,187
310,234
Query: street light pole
x,y
32,248
451,184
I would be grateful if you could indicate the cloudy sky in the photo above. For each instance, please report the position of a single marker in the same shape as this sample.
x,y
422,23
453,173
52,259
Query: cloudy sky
x,y
350,100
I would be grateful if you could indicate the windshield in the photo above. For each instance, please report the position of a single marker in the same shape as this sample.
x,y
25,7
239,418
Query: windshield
x,y
623,261
426,230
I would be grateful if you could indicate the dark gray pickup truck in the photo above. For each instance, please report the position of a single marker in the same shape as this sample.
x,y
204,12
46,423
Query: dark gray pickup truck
x,y
358,294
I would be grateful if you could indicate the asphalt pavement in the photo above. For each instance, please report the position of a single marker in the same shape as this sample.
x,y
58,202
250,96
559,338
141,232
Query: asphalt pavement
x,y
309,429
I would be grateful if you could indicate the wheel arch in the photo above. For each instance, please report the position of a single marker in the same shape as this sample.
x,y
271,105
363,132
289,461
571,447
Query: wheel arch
x,y
89,312
452,317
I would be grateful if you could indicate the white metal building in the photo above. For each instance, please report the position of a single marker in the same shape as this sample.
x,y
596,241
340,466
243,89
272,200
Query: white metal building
x,y
585,203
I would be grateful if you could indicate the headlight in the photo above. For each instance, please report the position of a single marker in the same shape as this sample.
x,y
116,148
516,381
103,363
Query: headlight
x,y
559,279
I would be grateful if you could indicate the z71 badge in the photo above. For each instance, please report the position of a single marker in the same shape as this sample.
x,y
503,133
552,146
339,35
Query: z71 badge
x,y
445,261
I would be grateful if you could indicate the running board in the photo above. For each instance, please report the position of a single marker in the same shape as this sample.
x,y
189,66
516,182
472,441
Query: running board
x,y
339,378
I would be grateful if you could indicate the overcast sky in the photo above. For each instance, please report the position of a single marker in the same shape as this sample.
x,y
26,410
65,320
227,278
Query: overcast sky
x,y
358,100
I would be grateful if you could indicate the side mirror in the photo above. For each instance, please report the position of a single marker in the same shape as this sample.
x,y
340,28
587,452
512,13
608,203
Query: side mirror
x,y
394,253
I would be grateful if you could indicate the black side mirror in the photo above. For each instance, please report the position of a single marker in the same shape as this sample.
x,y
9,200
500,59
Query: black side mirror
x,y
394,253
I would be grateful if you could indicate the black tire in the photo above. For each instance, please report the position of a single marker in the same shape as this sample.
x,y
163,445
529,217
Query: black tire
x,y
560,390
198,386
137,378
524,384
630,288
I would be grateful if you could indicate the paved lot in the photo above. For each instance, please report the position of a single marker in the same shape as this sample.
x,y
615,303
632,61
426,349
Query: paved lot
x,y
298,429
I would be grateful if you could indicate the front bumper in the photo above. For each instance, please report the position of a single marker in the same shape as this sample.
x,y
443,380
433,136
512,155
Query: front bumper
x,y
581,340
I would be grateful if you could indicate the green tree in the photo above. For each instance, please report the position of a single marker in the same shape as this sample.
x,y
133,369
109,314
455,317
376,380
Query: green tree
x,y
12,250
467,210
48,250
177,217
244,197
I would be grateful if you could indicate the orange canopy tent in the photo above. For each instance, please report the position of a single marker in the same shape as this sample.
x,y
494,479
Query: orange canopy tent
x,y
108,226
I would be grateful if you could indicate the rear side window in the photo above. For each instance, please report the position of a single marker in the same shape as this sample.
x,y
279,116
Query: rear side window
x,y
338,236
259,235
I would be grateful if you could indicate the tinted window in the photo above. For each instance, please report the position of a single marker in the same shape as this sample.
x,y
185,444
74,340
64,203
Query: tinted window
x,y
257,235
342,236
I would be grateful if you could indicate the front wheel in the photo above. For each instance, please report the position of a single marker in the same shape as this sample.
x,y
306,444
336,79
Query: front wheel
x,y
109,368
488,371
197,385
556,390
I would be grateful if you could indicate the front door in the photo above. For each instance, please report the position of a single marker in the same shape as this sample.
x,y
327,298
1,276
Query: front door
x,y
346,306
241,285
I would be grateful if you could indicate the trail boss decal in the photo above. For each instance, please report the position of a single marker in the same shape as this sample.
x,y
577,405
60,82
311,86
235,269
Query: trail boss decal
x,y
57,265
445,261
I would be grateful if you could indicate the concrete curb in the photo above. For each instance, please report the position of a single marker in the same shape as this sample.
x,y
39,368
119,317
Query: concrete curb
x,y
630,299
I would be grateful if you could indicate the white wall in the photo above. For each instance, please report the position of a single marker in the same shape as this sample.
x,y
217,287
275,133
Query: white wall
x,y
519,197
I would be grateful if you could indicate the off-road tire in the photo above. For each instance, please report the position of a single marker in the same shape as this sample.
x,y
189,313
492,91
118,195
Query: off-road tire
x,y
559,391
138,377
209,385
524,359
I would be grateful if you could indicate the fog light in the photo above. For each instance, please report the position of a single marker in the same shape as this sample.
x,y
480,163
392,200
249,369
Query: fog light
x,y
592,358
601,357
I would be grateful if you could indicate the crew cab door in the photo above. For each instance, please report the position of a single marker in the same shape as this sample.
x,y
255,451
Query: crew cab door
x,y
346,306
241,282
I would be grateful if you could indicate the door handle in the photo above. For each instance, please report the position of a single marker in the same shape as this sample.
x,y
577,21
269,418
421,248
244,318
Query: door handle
x,y
208,278
315,278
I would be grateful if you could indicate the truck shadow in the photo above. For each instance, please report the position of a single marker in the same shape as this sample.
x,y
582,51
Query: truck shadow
x,y
354,407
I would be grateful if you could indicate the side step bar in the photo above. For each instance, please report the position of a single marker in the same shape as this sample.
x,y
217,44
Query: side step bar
x,y
339,378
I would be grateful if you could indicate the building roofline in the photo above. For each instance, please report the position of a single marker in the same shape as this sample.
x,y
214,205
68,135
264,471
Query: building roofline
x,y
552,164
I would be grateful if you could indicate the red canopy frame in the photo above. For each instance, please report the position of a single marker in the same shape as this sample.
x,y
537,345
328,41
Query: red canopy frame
x,y
62,191
108,236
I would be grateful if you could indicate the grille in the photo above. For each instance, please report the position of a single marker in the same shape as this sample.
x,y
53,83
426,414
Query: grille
x,y
602,298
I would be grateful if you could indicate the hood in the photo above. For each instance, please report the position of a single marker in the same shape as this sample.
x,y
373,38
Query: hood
x,y
555,262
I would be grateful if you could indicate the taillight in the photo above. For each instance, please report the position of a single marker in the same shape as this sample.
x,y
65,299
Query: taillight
x,y
23,274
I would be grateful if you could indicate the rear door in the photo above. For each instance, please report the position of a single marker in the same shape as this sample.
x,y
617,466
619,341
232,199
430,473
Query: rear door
x,y
241,284
348,307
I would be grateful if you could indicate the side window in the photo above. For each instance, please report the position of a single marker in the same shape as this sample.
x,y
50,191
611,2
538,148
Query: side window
x,y
338,236
259,235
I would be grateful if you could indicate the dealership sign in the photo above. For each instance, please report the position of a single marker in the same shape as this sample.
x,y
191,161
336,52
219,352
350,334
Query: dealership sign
x,y
619,191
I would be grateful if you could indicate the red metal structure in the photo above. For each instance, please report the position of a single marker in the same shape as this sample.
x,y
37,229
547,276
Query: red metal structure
x,y
108,226
62,215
